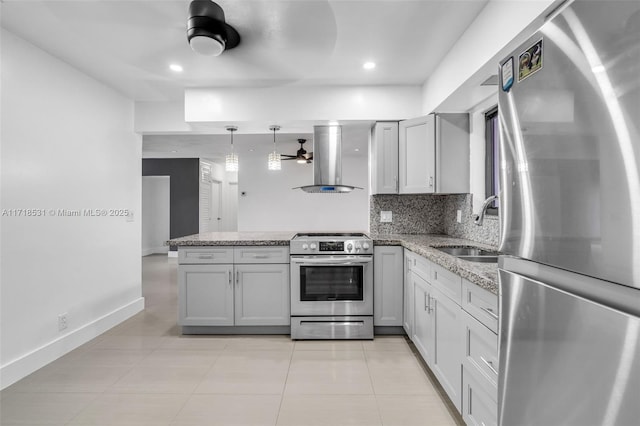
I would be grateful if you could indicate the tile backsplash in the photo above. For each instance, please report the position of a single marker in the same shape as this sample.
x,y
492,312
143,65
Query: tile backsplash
x,y
488,233
431,214
412,214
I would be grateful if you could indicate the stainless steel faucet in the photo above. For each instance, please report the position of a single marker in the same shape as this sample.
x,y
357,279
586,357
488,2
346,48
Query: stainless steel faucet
x,y
480,218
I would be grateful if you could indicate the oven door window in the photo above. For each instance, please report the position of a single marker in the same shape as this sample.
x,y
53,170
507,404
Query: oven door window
x,y
329,283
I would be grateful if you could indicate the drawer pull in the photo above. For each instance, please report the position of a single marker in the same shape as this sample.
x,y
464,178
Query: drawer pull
x,y
426,304
490,365
490,312
205,256
260,256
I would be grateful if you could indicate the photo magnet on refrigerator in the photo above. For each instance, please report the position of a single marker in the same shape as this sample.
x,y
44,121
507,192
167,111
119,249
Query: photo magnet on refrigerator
x,y
530,61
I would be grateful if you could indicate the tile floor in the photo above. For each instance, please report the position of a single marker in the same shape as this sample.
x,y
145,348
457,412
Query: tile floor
x,y
143,372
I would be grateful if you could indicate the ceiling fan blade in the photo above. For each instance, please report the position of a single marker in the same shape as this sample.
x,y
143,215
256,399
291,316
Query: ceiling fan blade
x,y
288,156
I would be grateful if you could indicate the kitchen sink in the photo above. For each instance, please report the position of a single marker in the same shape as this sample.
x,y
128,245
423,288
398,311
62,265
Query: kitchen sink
x,y
471,254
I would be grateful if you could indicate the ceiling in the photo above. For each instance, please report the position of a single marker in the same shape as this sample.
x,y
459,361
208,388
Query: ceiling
x,y
129,45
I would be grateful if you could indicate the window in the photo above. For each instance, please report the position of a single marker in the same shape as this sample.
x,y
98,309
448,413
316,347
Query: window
x,y
491,157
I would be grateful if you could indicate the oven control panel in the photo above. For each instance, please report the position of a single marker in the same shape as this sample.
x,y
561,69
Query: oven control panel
x,y
332,247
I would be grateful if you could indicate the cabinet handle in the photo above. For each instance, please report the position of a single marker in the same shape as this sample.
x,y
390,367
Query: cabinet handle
x,y
260,256
490,312
205,256
426,304
431,307
229,277
490,365
431,181
237,277
435,275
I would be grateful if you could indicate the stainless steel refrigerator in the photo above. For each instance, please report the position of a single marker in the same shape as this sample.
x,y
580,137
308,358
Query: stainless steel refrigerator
x,y
569,112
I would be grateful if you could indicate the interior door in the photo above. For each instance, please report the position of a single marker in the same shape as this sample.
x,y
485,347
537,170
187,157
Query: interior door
x,y
215,201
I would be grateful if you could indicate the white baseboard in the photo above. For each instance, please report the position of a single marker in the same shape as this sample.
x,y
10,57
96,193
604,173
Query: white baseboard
x,y
172,253
154,250
38,358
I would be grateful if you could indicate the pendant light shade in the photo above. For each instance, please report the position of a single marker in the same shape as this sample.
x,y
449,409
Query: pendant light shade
x,y
231,160
274,161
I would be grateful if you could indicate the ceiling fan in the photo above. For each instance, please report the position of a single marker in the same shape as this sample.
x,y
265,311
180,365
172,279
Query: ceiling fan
x,y
302,156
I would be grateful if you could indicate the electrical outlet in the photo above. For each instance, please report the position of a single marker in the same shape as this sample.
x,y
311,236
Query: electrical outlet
x,y
62,321
459,216
386,216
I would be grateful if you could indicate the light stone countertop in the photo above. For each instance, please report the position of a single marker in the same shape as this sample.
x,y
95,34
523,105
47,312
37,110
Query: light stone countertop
x,y
234,239
484,275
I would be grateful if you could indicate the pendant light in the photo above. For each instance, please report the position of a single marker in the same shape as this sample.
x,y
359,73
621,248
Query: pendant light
x,y
274,162
231,160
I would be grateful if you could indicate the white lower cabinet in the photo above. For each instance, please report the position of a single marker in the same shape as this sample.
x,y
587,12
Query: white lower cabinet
x,y
262,294
423,330
241,294
480,372
205,295
478,407
407,316
387,286
460,350
447,323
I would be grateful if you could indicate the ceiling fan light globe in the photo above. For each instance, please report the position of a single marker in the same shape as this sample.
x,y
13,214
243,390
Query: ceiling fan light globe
x,y
302,161
207,45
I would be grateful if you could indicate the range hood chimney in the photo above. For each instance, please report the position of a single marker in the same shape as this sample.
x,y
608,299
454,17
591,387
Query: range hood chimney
x,y
327,161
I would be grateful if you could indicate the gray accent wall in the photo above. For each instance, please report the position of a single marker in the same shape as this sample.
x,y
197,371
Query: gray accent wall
x,y
184,201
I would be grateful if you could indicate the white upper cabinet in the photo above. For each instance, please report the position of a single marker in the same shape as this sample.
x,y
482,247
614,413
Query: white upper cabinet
x,y
434,154
384,158
417,155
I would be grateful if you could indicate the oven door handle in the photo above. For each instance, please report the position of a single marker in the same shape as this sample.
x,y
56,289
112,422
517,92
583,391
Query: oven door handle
x,y
355,261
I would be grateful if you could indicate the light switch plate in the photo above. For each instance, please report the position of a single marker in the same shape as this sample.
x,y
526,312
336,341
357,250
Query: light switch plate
x,y
386,216
459,216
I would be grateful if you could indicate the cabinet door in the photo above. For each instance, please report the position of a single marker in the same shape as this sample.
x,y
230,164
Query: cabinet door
x,y
448,331
423,328
407,315
205,294
417,155
387,286
384,158
262,294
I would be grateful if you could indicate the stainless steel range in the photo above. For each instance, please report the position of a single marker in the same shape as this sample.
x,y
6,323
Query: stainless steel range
x,y
331,286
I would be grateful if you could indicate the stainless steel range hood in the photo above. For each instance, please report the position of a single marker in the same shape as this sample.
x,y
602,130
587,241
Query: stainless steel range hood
x,y
327,162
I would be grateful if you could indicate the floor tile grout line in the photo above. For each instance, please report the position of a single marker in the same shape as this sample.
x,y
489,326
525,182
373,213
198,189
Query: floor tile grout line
x,y
284,386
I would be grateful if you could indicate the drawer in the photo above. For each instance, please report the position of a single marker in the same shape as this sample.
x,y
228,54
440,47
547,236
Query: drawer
x,y
481,349
419,265
481,304
447,282
196,255
479,405
267,254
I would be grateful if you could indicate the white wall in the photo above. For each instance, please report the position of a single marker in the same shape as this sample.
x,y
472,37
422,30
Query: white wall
x,y
67,143
497,28
155,214
271,205
277,104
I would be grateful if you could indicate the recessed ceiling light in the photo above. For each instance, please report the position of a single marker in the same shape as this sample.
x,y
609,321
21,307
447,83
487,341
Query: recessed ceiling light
x,y
174,150
176,68
369,65
357,150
